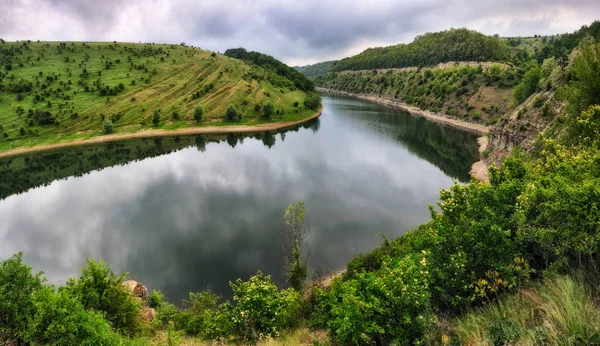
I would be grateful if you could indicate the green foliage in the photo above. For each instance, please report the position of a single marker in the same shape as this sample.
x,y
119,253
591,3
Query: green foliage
x,y
562,45
528,85
295,265
18,309
32,313
156,299
317,69
261,311
63,320
198,313
312,101
69,84
156,117
429,49
389,305
272,64
107,126
198,113
232,114
583,90
100,289
267,109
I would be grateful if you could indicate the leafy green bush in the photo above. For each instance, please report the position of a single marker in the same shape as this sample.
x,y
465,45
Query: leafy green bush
x,y
231,113
198,113
260,311
198,312
392,304
18,286
63,320
107,126
156,299
528,85
312,101
267,109
100,289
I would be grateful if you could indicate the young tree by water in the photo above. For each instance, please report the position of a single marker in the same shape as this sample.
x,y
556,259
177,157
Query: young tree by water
x,y
295,265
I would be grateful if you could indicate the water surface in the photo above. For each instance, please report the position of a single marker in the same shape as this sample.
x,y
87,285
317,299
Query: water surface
x,y
188,213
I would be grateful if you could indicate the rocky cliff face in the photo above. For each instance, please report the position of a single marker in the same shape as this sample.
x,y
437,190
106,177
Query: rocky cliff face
x,y
522,126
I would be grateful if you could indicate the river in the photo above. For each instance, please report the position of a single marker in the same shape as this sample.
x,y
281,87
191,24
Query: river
x,y
186,214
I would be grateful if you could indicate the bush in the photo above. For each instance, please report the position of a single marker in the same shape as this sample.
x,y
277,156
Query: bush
x,y
18,286
392,304
312,101
107,126
261,311
528,85
156,299
198,113
156,118
267,109
198,312
232,114
100,289
63,320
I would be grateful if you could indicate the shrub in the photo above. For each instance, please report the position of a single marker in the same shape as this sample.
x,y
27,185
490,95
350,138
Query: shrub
x,y
100,289
63,320
267,109
198,312
198,113
18,309
312,101
380,307
156,299
156,117
231,113
261,311
528,85
107,126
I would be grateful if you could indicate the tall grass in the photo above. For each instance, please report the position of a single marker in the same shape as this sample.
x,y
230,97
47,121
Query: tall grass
x,y
562,311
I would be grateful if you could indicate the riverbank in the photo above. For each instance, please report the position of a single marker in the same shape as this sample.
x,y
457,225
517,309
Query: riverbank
x,y
479,170
164,133
477,129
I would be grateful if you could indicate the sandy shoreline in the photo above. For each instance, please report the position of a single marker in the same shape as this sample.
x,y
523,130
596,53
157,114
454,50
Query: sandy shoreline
x,y
479,170
164,133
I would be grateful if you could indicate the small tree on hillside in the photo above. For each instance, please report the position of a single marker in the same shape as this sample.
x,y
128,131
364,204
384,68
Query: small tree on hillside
x,y
231,113
267,109
107,126
295,266
156,118
198,113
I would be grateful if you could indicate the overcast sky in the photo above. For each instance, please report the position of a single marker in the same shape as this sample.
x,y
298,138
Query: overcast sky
x,y
295,31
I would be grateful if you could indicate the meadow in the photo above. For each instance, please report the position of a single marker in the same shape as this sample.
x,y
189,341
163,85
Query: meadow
x,y
55,92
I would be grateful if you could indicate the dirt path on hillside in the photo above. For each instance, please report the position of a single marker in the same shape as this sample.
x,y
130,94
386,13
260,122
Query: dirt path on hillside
x,y
164,133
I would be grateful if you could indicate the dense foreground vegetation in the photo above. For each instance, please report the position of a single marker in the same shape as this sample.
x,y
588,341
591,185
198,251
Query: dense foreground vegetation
x,y
51,92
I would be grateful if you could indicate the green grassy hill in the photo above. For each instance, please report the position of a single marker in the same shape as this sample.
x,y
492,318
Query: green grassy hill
x,y
317,69
51,91
430,49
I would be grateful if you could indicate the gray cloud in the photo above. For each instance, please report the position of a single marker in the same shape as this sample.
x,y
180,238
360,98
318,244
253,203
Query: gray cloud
x,y
294,31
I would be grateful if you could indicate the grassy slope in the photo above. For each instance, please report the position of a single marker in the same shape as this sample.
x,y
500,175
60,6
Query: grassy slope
x,y
463,92
561,311
166,81
317,69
